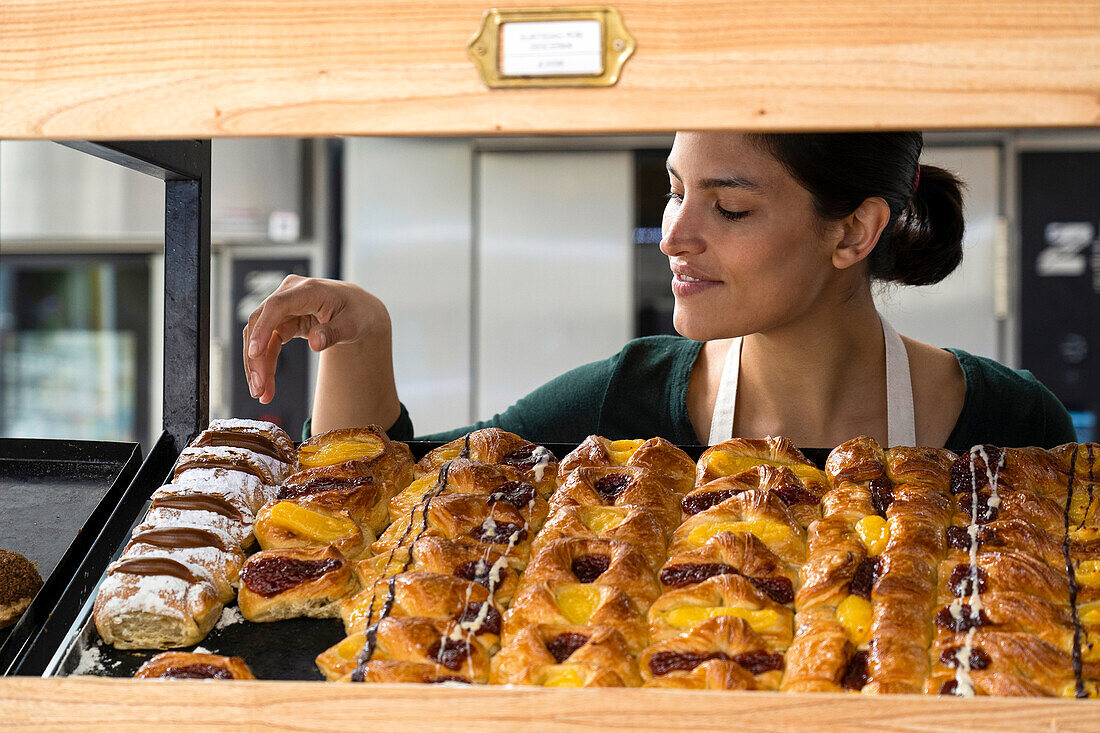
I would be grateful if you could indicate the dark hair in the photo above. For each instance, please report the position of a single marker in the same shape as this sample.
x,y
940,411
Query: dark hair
x,y
922,243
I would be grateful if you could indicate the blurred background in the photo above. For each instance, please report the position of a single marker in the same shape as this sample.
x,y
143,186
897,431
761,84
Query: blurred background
x,y
503,262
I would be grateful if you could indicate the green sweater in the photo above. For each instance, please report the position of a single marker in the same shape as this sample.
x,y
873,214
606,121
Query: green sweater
x,y
641,392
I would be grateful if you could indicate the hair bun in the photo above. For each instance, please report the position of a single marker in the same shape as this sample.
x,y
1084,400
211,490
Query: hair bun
x,y
925,245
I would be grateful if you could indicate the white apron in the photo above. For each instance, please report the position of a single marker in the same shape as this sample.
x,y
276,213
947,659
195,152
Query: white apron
x,y
901,428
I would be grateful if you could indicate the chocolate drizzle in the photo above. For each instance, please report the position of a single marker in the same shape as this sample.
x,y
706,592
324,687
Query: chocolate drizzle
x,y
155,566
365,655
181,537
199,503
255,442
1071,575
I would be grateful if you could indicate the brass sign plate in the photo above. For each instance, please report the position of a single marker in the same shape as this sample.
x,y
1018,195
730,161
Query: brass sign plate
x,y
551,47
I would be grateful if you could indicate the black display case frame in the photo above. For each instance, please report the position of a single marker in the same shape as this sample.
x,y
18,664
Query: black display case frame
x,y
184,166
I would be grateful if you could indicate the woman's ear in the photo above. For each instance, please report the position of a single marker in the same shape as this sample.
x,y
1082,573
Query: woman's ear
x,y
860,232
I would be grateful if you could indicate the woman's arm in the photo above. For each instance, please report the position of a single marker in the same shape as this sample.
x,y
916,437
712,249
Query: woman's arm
x,y
350,328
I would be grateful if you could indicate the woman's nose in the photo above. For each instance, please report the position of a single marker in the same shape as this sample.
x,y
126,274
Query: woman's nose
x,y
680,231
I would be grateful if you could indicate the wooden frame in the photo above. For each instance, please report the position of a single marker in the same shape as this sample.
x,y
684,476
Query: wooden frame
x,y
116,69
119,706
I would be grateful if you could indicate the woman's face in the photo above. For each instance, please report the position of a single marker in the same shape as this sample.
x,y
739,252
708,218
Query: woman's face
x,y
747,251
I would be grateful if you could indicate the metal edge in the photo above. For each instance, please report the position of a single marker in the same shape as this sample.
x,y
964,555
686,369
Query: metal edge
x,y
58,618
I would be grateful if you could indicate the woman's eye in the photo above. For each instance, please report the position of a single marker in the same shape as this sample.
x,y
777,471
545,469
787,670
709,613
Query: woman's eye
x,y
731,215
673,196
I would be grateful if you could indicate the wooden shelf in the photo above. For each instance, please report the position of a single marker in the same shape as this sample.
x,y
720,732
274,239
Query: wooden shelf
x,y
115,69
119,706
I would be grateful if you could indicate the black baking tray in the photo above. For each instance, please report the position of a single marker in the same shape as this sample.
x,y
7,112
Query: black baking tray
x,y
283,650
56,494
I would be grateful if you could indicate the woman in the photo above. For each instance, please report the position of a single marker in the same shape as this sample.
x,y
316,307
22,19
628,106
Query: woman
x,y
774,241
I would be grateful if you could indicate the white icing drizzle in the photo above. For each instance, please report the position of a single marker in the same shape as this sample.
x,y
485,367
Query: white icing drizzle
x,y
543,461
964,684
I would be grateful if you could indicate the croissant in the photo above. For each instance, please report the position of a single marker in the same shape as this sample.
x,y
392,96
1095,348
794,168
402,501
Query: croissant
x,y
564,647
194,666
620,487
592,561
289,583
656,455
721,639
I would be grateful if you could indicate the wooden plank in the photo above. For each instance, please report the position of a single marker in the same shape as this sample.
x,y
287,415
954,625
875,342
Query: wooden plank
x,y
207,68
119,706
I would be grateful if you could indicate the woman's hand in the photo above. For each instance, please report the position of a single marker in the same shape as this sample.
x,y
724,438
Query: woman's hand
x,y
327,313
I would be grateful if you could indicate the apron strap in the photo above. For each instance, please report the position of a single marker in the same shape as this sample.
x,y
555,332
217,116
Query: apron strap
x,y
901,422
901,428
721,424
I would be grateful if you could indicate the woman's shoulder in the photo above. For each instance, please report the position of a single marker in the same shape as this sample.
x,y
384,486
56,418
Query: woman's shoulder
x,y
1007,407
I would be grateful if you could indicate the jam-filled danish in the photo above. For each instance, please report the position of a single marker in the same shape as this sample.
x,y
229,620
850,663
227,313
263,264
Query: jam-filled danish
x,y
462,557
740,454
802,503
714,643
596,562
735,553
194,666
679,611
497,524
290,583
495,484
620,487
560,654
656,455
638,527
440,648
536,465
427,595
579,604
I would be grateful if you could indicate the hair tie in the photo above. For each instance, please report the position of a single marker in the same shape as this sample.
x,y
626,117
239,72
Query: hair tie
x,y
916,179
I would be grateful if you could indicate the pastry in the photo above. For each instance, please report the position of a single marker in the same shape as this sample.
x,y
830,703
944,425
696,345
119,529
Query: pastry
x,y
228,481
804,505
737,455
579,604
359,496
612,563
289,583
681,610
759,513
267,441
19,582
718,641
194,666
639,527
734,553
622,487
656,455
301,523
535,464
155,603
463,476
199,506
550,654
428,595
713,674
228,458
463,557
216,559
497,524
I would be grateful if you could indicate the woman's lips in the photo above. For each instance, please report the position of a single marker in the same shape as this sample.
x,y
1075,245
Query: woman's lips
x,y
684,285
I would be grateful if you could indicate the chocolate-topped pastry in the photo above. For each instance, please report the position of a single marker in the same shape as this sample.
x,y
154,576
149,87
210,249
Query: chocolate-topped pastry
x,y
19,582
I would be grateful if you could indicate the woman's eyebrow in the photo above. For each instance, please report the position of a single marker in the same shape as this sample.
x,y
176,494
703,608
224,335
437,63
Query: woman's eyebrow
x,y
732,181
